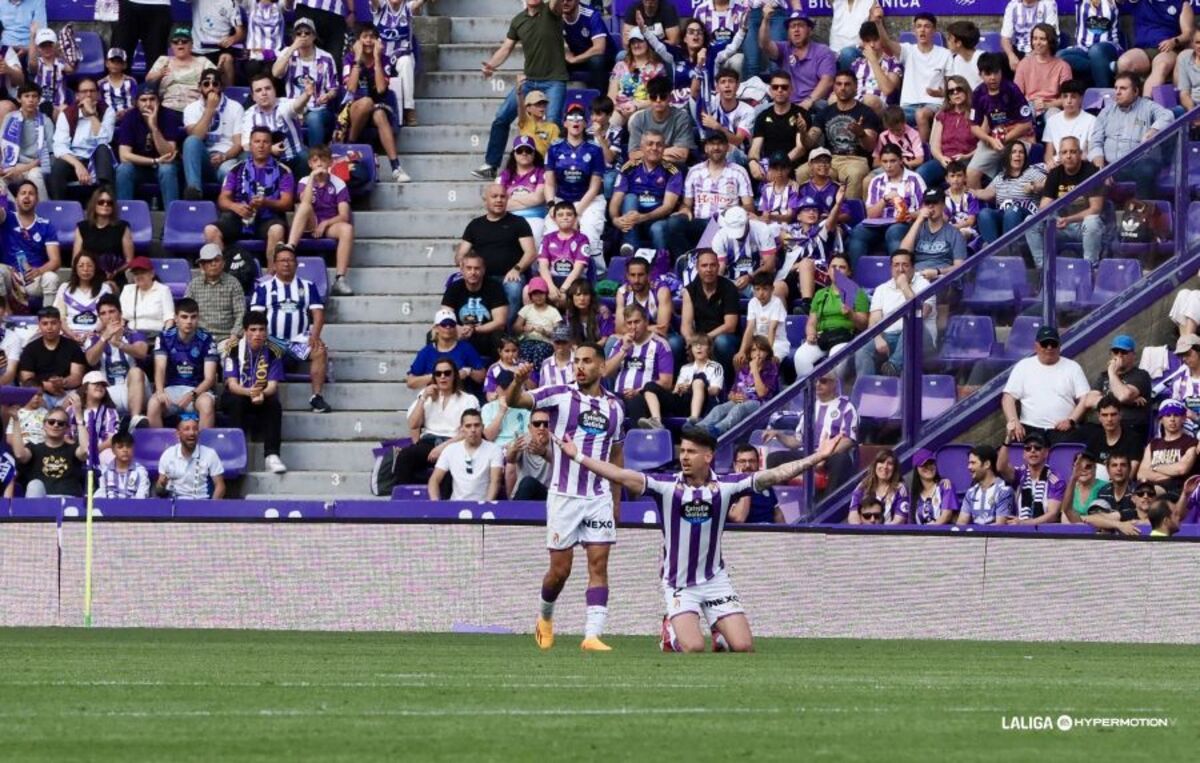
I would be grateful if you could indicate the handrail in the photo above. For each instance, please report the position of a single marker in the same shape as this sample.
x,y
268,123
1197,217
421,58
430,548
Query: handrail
x,y
909,313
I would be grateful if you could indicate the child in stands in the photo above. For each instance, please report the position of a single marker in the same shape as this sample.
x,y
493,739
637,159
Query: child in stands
x,y
509,359
808,244
778,197
118,90
756,382
536,323
123,478
766,317
564,256
48,70
699,384
962,208
898,133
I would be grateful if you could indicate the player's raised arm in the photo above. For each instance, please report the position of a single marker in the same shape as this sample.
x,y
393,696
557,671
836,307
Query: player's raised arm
x,y
634,482
793,469
517,396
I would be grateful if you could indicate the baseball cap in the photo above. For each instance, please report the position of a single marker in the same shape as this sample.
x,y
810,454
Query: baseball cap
x,y
576,109
209,252
46,35
808,202
1036,438
181,32
1172,407
304,21
779,159
523,141
116,54
1123,342
923,456
1047,334
820,153
1186,342
734,220
933,196
1143,487
445,317
141,263
636,34
561,333
534,97
1101,505
95,377
801,16
537,283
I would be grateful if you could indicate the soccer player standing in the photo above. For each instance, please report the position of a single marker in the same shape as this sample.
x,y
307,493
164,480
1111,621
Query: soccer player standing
x,y
581,507
694,507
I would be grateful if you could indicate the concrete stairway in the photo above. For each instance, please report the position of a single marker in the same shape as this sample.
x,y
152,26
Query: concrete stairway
x,y
405,251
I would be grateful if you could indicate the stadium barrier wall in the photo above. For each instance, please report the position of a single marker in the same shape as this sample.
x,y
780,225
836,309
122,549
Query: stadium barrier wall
x,y
443,577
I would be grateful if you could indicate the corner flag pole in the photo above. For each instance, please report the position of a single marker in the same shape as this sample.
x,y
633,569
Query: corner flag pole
x,y
93,444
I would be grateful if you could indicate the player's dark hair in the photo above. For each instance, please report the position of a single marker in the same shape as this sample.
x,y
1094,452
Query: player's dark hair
x,y
602,104
254,318
966,32
591,346
1108,401
470,412
186,305
763,279
991,63
699,437
986,455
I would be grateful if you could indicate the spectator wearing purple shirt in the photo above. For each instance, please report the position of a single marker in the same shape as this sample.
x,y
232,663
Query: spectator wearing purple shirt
x,y
637,359
587,44
756,382
147,148
1002,116
254,199
1037,489
646,194
253,375
893,194
323,211
883,484
810,64
934,499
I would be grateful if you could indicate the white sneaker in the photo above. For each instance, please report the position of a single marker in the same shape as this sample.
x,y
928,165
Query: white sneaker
x,y
341,287
275,465
400,176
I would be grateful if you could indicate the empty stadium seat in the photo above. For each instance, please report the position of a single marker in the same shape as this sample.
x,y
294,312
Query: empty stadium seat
x,y
183,230
647,449
938,395
616,269
1020,338
91,57
1114,276
1000,283
1165,95
796,325
871,271
584,97
1096,98
230,445
64,216
969,338
952,465
989,42
238,94
137,214
149,444
877,397
1062,458
856,210
175,273
313,269
1072,283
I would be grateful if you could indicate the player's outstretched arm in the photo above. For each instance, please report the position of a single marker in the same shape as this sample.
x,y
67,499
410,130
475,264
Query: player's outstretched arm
x,y
793,469
634,482
517,396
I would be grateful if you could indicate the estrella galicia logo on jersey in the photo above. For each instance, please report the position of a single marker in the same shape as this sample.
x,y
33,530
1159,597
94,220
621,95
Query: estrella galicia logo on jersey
x,y
593,422
696,512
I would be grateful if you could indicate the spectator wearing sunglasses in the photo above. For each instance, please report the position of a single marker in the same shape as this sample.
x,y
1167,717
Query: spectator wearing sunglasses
x,y
528,458
1045,393
870,512
53,467
1038,490
214,136
474,464
433,419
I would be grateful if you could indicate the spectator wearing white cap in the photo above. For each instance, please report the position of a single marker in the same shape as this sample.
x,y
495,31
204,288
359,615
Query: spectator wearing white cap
x,y
1169,458
218,30
744,248
323,211
1186,386
49,70
219,295
82,134
446,344
303,62
253,377
118,90
214,136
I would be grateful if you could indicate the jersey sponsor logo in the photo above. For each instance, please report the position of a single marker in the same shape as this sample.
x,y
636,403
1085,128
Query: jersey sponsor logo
x,y
696,512
597,524
593,422
721,601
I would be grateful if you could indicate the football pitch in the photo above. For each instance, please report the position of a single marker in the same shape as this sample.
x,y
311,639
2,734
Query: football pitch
x,y
169,695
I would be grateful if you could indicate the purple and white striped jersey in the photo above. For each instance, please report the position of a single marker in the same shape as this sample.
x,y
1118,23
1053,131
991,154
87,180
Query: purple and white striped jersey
x,y
553,374
332,6
929,509
52,79
778,201
909,186
722,26
594,424
693,519
119,97
962,207
739,119
1187,388
865,75
282,120
643,364
394,26
713,195
321,70
834,417
287,306
1097,25
649,304
1020,19
264,30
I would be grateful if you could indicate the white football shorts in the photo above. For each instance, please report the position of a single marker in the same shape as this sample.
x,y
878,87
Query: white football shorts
x,y
571,520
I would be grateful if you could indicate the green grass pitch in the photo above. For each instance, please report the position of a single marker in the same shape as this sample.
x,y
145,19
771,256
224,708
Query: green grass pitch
x,y
132,695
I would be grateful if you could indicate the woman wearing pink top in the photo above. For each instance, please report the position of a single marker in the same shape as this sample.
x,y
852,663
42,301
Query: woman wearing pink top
x,y
951,137
524,182
1040,74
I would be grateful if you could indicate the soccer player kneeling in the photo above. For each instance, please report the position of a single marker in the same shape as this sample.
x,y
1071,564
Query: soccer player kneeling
x,y
694,506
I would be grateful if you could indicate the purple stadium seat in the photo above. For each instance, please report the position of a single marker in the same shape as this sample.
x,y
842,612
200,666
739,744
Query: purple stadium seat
x,y
1096,98
310,245
856,209
183,230
969,338
137,214
582,96
175,273
938,394
410,493
230,445
1165,95
1062,458
1016,454
1113,277
149,444
872,271
1164,228
64,215
1072,283
1000,283
313,269
91,57
952,465
616,269
1193,224
877,397
238,94
989,42
1020,338
796,325
648,449
723,458
1037,152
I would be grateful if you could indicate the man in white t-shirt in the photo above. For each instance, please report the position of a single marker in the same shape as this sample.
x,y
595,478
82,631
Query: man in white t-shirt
x,y
886,355
1071,122
925,68
189,470
962,40
474,464
214,136
1050,391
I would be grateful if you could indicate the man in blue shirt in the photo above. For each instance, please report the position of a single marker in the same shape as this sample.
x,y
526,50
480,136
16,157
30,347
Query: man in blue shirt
x,y
185,369
646,194
587,44
30,248
16,17
575,173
